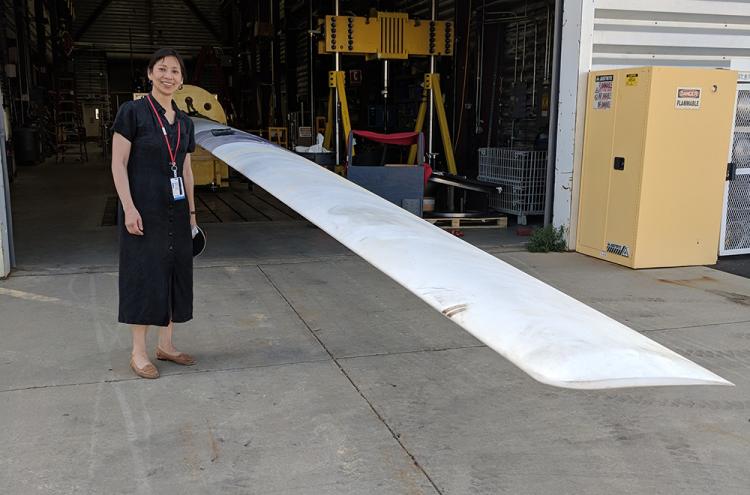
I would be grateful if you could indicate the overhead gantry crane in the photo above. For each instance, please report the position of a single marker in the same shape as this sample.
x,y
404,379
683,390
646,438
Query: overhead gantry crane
x,y
387,36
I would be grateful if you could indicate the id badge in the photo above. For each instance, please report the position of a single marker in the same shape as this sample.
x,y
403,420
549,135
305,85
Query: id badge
x,y
178,188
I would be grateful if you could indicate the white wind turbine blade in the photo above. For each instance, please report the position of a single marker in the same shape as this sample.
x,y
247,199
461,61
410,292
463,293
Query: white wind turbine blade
x,y
551,336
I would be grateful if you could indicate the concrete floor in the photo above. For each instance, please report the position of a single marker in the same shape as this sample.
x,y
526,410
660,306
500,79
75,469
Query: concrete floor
x,y
319,375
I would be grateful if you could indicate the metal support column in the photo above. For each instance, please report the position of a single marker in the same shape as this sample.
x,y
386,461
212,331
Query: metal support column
x,y
344,106
311,77
434,80
7,256
432,85
433,13
336,92
413,158
336,102
554,92
41,34
385,96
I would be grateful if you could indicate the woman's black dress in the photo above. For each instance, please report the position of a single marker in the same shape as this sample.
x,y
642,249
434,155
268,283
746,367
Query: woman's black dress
x,y
156,269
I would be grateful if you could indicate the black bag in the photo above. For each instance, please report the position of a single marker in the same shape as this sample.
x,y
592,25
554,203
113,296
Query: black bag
x,y
199,241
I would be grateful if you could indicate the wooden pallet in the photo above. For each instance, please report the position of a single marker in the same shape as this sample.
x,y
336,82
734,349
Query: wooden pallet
x,y
237,203
470,222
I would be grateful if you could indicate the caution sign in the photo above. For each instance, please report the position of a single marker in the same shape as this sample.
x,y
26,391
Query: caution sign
x,y
688,99
631,80
618,249
603,92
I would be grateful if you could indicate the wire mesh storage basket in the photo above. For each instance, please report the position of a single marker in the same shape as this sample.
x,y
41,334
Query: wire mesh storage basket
x,y
522,175
736,234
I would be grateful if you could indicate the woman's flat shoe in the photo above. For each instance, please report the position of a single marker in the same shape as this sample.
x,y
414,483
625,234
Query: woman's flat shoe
x,y
180,358
148,371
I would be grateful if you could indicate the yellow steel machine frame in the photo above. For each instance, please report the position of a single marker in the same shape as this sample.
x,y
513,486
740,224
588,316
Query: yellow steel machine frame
x,y
336,84
207,169
432,81
388,36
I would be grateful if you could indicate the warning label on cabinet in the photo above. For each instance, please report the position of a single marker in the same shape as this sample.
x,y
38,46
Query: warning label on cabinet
x,y
688,98
603,92
618,249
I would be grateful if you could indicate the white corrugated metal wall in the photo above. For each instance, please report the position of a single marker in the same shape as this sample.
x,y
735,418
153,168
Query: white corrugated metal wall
x,y
696,33
620,33
144,25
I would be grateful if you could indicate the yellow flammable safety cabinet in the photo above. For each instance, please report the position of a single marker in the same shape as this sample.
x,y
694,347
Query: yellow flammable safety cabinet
x,y
654,164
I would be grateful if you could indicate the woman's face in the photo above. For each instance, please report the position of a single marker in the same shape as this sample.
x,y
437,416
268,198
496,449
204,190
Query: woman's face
x,y
166,75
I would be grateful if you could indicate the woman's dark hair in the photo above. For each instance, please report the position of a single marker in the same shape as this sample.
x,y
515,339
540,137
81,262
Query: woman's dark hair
x,y
163,53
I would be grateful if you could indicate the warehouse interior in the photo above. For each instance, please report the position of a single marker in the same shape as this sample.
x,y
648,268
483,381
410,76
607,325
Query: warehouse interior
x,y
317,372
68,66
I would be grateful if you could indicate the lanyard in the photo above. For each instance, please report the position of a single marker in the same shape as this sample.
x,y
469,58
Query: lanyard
x,y
172,155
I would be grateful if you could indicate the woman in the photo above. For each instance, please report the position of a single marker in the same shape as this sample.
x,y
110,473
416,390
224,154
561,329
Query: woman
x,y
151,168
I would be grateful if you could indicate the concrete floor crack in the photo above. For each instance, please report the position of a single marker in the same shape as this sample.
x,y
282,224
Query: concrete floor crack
x,y
396,436
416,351
163,377
702,325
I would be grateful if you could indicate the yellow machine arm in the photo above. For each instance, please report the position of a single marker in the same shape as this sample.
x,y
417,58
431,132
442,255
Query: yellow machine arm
x,y
336,84
432,81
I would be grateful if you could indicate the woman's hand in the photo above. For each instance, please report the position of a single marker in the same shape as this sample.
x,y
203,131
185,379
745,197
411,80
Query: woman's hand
x,y
193,221
133,222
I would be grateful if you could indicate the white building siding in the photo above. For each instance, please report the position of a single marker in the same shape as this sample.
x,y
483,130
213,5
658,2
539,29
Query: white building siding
x,y
694,33
600,34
